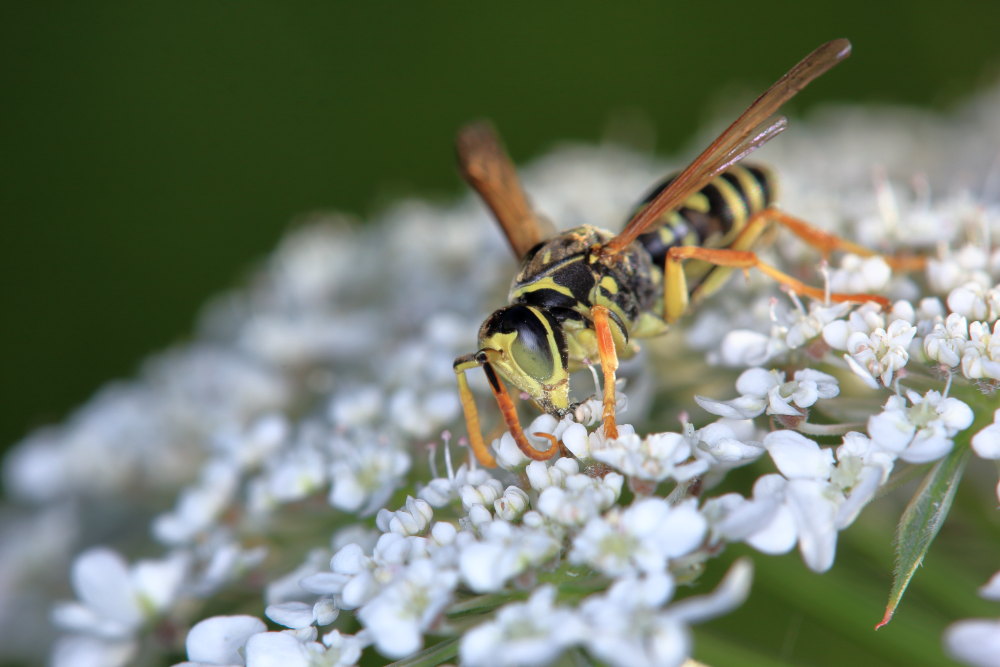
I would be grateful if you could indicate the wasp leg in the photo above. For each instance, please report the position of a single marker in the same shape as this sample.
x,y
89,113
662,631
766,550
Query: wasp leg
x,y
609,364
507,409
476,442
827,243
509,413
676,291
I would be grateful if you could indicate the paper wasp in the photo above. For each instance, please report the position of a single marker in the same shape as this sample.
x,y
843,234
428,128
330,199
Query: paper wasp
x,y
582,295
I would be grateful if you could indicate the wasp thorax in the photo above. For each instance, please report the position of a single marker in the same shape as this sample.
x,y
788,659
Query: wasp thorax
x,y
527,347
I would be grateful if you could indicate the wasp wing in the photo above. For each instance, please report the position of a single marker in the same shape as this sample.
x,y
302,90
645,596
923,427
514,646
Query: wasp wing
x,y
485,165
737,141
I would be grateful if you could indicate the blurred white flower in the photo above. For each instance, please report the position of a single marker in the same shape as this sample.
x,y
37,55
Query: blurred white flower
x,y
860,275
219,640
975,302
364,477
986,443
975,642
535,632
115,599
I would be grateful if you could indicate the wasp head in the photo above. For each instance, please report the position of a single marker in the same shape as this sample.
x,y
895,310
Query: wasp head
x,y
528,347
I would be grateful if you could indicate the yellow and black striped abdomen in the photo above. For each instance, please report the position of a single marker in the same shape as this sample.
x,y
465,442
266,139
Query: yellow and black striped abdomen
x,y
713,216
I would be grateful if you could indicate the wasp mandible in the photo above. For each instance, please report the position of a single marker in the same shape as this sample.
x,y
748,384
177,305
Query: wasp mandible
x,y
583,295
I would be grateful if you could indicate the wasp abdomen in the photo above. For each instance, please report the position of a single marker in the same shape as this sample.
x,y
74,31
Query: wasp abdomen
x,y
714,215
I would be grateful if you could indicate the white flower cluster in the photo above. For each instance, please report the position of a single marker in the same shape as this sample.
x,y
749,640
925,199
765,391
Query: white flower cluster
x,y
419,567
973,347
278,461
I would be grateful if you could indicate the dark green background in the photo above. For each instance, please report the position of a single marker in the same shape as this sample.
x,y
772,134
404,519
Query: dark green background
x,y
151,151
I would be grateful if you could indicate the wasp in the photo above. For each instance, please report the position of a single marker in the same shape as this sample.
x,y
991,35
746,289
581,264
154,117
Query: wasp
x,y
584,295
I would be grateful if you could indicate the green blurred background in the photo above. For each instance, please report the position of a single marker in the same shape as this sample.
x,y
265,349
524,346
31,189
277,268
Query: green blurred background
x,y
152,151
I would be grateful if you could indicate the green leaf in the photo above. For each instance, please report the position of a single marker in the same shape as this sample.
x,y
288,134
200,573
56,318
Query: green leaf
x,y
922,520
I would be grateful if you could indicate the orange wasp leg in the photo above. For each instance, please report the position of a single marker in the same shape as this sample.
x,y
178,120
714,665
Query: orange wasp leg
x,y
827,243
507,409
609,364
676,291
476,442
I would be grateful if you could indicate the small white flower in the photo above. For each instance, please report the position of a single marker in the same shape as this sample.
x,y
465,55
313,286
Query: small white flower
x,y
975,642
991,589
512,505
742,347
535,632
642,537
975,302
801,508
580,498
881,353
804,326
290,476
199,506
857,275
577,440
921,432
503,551
957,267
300,615
290,649
725,443
861,469
656,457
541,475
981,355
628,627
357,578
115,600
484,494
510,457
864,319
219,640
412,520
398,616
945,343
986,443
356,407
442,490
766,391
364,477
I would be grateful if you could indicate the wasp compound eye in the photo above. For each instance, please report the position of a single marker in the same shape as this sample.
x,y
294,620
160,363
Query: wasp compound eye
x,y
528,337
